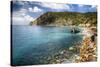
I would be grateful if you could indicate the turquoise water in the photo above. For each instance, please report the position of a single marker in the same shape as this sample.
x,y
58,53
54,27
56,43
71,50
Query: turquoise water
x,y
31,43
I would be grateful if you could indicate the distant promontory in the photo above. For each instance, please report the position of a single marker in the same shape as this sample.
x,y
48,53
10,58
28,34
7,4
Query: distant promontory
x,y
66,19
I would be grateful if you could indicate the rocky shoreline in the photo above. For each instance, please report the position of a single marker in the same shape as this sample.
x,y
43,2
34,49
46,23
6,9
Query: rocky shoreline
x,y
88,48
84,51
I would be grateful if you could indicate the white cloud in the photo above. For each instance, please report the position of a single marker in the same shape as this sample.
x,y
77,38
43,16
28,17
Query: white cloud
x,y
30,9
17,20
20,12
93,6
20,2
35,9
81,5
55,6
21,17
22,20
28,18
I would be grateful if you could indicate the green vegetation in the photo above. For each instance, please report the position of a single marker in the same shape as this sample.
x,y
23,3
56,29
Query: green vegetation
x,y
66,18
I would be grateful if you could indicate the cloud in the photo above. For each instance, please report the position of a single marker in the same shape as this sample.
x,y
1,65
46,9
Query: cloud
x,y
35,9
17,20
21,17
42,4
55,6
93,6
80,5
24,11
22,20
30,9
20,2
28,18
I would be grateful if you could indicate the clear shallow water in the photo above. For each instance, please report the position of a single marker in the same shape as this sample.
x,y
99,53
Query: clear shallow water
x,y
31,43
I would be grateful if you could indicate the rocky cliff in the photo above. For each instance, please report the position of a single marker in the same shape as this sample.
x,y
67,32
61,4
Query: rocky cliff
x,y
66,18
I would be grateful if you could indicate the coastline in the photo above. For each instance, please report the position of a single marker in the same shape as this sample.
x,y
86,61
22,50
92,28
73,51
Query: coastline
x,y
88,49
85,51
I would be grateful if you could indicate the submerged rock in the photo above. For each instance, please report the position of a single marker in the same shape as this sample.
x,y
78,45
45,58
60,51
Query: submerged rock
x,y
75,30
71,48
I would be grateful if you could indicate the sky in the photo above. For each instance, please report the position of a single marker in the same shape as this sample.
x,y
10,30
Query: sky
x,y
23,12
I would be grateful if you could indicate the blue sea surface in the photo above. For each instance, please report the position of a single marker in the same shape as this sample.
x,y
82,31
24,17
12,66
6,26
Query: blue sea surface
x,y
31,43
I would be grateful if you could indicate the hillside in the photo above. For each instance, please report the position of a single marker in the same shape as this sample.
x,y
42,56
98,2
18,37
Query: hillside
x,y
66,18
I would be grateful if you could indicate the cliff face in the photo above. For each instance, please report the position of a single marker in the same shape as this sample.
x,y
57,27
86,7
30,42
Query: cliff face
x,y
66,18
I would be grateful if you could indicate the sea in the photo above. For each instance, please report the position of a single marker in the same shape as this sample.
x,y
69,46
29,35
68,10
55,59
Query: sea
x,y
31,44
